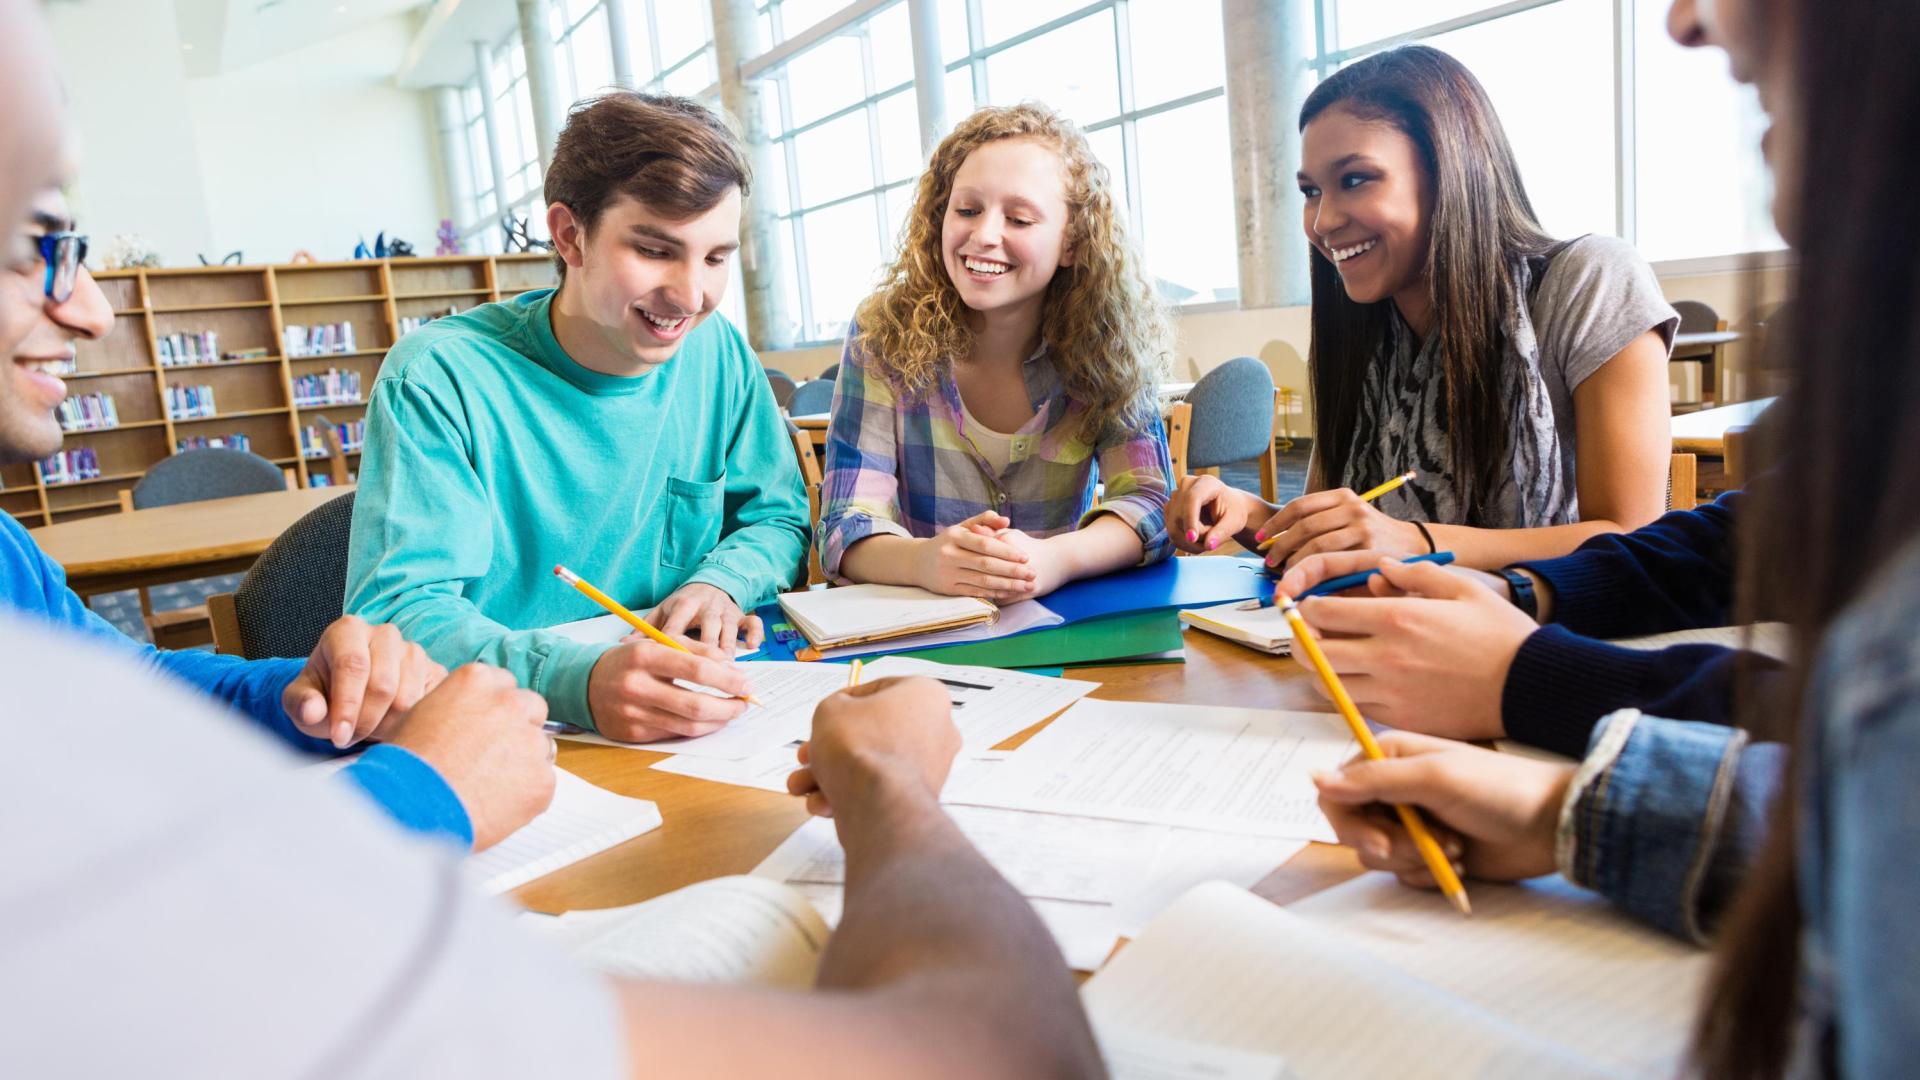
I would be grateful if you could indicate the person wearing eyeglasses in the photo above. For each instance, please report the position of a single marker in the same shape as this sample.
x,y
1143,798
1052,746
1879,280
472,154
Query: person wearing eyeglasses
x,y
446,765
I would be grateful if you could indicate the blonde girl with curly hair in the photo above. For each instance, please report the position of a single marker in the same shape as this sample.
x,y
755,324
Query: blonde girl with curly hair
x,y
1004,374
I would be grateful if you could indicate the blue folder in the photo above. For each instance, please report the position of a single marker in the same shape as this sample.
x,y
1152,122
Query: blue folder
x,y
1192,581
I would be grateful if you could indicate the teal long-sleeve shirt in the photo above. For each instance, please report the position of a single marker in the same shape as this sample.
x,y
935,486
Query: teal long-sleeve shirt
x,y
491,456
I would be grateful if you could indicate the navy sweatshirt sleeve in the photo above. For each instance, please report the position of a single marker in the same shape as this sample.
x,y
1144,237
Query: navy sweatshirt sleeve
x,y
1675,574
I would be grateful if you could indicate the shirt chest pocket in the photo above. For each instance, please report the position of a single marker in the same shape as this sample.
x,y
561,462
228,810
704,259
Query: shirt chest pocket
x,y
693,513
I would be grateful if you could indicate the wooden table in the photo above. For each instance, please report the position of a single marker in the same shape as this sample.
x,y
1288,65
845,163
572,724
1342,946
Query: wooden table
x,y
112,552
1705,432
1705,337
715,829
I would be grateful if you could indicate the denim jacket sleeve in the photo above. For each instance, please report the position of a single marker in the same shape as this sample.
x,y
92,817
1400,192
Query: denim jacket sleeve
x,y
1664,817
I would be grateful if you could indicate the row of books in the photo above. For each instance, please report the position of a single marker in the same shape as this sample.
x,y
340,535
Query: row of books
x,y
236,441
183,350
330,387
320,340
313,441
71,466
190,402
87,412
320,479
410,323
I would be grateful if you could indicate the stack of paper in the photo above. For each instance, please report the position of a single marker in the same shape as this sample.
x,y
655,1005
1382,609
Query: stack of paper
x,y
731,929
1371,978
1262,628
854,614
583,820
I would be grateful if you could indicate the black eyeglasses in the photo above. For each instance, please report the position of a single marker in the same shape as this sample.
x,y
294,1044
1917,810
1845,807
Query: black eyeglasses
x,y
63,252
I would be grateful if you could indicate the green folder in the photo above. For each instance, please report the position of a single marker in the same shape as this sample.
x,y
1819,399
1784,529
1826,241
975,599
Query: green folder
x,y
1088,641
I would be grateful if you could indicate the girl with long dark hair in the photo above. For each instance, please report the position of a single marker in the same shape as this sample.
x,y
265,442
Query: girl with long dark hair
x,y
1522,379
1801,868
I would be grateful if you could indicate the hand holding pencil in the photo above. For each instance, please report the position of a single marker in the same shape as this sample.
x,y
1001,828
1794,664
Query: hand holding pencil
x,y
1436,860
1339,520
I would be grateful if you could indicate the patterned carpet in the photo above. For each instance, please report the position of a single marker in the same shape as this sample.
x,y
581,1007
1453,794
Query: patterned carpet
x,y
122,609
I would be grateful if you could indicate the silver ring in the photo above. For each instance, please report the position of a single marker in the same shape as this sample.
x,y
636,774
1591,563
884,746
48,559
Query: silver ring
x,y
553,749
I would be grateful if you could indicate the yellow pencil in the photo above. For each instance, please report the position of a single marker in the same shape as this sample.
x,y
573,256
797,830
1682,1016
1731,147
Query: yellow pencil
x,y
629,617
1366,496
853,675
1429,848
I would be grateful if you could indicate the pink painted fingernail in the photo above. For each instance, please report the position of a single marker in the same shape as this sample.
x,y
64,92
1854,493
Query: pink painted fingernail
x,y
1213,543
1260,537
1192,536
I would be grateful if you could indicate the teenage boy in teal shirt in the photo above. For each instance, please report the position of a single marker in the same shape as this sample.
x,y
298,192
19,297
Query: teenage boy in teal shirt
x,y
612,425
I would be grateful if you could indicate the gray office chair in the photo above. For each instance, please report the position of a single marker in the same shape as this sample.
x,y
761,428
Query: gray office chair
x,y
1227,417
812,397
295,591
1696,317
783,386
211,473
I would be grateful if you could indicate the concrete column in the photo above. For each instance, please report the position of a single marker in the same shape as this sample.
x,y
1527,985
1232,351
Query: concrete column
x,y
483,59
736,39
549,97
456,166
619,36
929,73
1270,46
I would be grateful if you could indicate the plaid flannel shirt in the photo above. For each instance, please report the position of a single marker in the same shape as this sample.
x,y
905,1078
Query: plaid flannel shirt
x,y
908,468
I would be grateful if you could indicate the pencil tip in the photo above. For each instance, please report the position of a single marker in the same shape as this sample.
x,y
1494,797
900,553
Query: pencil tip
x,y
1460,901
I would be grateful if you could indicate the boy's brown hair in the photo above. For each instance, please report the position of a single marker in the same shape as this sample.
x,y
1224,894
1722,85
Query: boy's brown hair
x,y
674,154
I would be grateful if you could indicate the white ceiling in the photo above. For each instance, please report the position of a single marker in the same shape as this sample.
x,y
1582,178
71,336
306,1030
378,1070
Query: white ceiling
x,y
219,36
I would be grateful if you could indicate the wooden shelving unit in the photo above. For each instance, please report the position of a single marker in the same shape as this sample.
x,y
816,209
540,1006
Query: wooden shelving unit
x,y
249,307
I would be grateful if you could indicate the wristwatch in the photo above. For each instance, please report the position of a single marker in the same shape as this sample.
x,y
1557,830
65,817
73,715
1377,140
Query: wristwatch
x,y
1520,591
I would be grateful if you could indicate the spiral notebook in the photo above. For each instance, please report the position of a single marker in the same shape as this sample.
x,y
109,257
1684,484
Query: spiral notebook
x,y
853,614
1262,628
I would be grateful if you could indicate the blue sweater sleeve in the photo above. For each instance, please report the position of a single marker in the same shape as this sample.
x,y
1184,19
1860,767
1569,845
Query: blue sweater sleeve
x,y
1674,574
415,796
412,793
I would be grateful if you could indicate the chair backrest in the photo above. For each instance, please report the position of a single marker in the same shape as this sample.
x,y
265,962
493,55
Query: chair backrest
x,y
810,475
783,386
1683,482
1696,317
298,587
1232,414
832,372
211,473
812,397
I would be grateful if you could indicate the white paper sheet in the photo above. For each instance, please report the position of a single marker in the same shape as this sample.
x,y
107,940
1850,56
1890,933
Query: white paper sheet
x,y
730,929
1225,968
1245,771
1550,958
788,692
989,704
608,629
1141,1055
583,820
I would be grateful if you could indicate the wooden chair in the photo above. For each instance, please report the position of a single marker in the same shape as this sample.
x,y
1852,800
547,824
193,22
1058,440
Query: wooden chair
x,y
1683,482
191,476
810,475
1231,414
783,386
1699,318
811,398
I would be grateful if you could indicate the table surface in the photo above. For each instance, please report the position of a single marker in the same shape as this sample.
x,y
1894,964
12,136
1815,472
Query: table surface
x,y
1704,431
714,829
1705,337
184,534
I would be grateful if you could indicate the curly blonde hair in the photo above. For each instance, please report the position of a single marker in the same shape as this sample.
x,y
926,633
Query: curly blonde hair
x,y
1105,329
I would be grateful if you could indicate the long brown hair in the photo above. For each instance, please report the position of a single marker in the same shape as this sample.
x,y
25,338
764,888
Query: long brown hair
x,y
1105,329
1843,497
1482,225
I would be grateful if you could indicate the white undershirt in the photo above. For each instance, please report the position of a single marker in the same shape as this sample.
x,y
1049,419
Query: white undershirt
x,y
995,446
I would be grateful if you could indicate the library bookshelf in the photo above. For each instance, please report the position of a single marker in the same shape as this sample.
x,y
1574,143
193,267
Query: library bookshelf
x,y
266,395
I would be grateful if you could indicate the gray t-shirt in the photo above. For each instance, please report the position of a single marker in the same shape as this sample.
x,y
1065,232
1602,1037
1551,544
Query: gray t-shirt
x,y
1596,297
179,899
